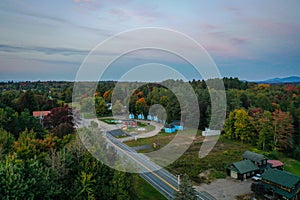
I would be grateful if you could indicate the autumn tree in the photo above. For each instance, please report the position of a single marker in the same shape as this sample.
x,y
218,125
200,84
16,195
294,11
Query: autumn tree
x,y
238,126
107,95
283,130
141,106
60,121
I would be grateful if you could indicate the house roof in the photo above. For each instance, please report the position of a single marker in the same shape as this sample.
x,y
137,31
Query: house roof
x,y
275,163
177,123
40,113
283,178
249,155
245,166
169,126
117,133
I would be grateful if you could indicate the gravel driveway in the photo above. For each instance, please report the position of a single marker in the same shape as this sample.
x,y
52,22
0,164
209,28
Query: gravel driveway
x,y
226,188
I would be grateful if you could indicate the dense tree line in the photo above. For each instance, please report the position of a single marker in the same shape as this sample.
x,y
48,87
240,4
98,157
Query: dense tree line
x,y
34,154
47,160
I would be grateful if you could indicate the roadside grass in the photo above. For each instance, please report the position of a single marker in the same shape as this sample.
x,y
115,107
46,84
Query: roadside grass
x,y
144,190
291,165
108,120
147,128
161,138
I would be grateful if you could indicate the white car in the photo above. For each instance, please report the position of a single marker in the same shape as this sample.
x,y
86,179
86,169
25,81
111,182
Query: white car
x,y
257,177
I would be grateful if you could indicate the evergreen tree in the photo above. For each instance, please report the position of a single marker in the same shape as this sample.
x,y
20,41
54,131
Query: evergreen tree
x,y
186,190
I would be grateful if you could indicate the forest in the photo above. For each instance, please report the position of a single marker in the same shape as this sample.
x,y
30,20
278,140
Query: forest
x,y
48,159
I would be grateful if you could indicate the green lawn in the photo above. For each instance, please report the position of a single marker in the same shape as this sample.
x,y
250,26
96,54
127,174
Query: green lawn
x,y
145,191
291,165
213,165
161,138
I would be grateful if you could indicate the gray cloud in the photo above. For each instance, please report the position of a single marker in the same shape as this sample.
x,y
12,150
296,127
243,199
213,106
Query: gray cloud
x,y
45,50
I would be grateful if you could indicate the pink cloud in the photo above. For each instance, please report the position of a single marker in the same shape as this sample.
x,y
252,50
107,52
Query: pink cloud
x,y
271,26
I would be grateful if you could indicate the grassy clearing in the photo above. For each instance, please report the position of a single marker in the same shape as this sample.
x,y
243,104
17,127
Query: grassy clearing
x,y
147,128
291,165
212,166
108,120
161,138
145,191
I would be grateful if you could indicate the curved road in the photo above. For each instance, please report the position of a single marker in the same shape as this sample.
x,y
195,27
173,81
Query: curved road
x,y
110,127
162,180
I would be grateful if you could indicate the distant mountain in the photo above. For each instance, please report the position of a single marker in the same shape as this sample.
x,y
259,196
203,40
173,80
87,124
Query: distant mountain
x,y
290,79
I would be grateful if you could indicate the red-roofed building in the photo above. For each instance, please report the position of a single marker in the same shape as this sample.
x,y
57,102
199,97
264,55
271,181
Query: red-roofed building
x,y
40,115
276,164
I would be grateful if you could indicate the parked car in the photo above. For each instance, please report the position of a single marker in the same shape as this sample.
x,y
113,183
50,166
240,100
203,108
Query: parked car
x,y
257,177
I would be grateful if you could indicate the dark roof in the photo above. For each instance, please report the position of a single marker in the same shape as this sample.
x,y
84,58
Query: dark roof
x,y
169,126
245,166
177,123
283,178
249,155
117,133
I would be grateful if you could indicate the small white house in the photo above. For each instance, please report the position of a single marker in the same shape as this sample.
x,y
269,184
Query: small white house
x,y
209,132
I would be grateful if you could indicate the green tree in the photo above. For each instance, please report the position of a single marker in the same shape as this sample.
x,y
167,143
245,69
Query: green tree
x,y
101,107
28,100
117,107
6,142
266,131
186,190
88,105
85,186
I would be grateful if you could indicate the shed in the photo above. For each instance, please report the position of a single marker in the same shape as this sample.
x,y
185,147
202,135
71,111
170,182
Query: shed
x,y
242,169
275,164
169,128
177,124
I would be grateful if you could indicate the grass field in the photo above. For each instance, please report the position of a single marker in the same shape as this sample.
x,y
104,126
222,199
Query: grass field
x,y
291,165
161,138
212,166
145,190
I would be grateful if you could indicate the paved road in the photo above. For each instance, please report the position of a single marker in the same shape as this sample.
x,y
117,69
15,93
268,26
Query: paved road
x,y
110,127
157,129
165,182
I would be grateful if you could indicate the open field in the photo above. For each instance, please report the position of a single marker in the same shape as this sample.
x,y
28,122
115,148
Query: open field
x,y
162,139
212,166
291,165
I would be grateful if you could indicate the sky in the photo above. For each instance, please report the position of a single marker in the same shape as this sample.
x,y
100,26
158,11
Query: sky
x,y
49,40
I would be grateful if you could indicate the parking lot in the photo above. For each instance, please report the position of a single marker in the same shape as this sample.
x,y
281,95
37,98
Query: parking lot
x,y
226,188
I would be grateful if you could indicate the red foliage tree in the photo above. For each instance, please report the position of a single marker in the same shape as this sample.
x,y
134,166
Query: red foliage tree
x,y
60,121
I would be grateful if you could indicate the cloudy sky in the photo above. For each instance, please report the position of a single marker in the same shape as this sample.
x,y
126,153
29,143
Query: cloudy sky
x,y
49,40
